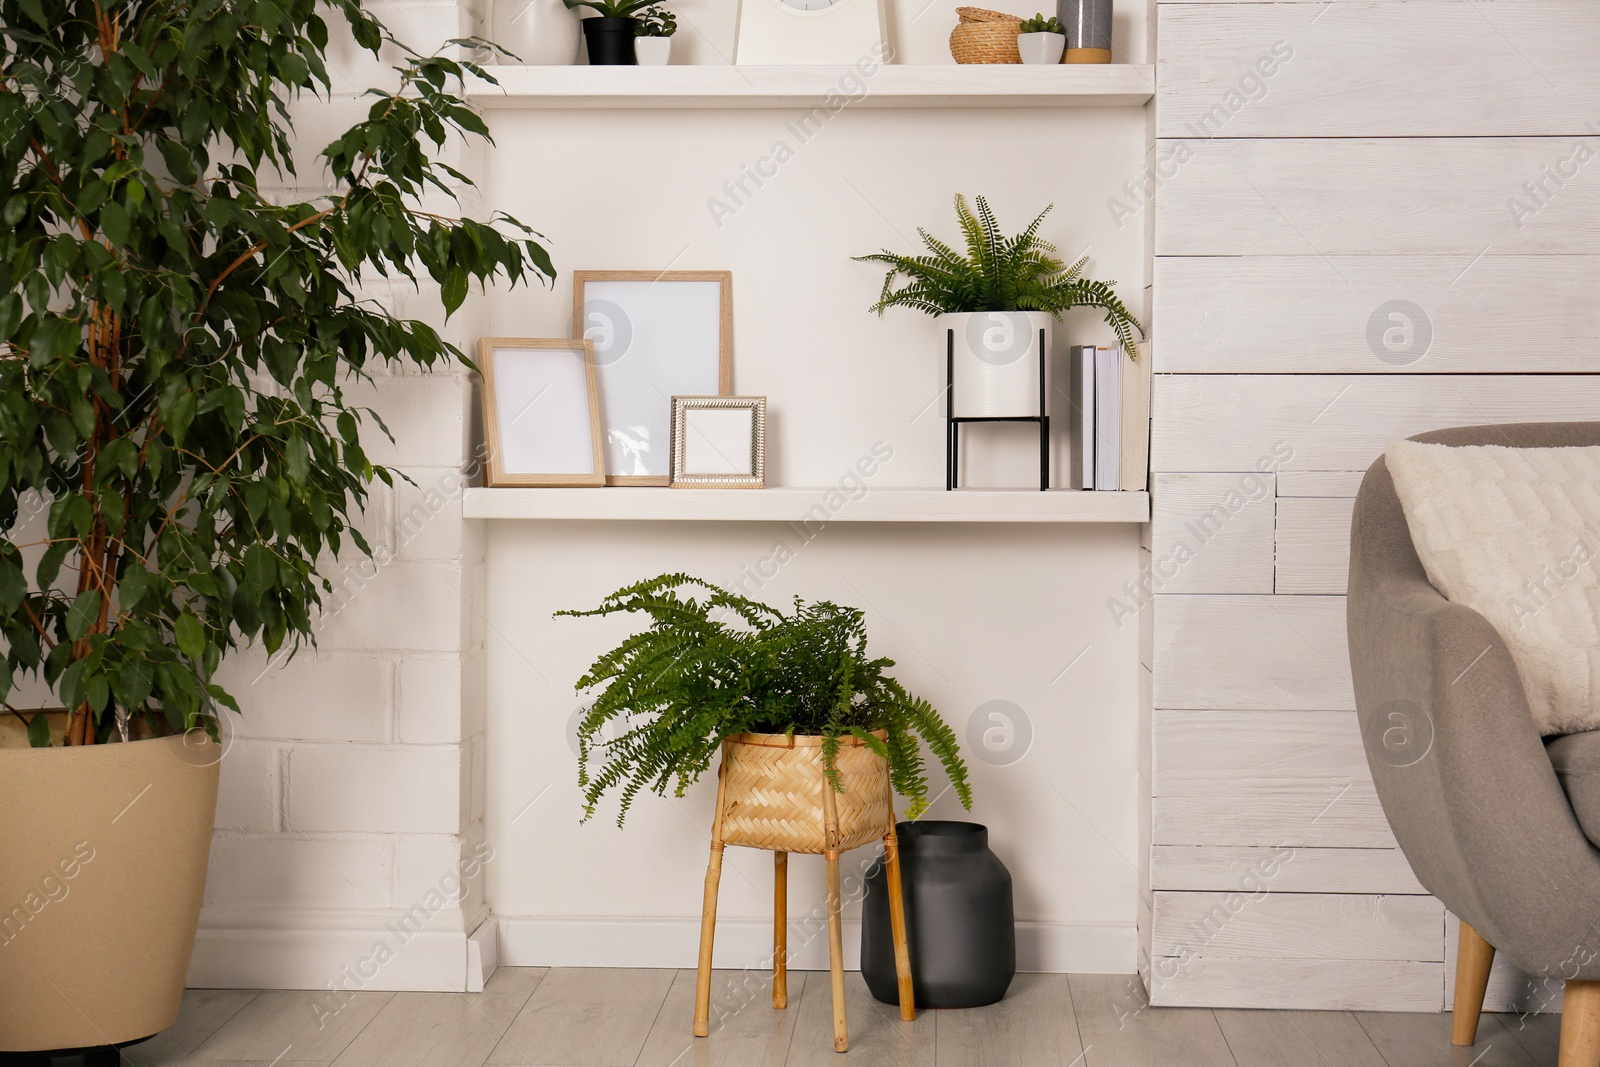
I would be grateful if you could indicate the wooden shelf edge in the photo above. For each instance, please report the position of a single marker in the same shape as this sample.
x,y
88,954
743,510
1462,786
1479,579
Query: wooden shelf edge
x,y
806,505
919,85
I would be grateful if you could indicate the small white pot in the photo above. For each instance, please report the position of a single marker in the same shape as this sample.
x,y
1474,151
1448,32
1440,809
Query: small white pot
x,y
538,32
996,362
652,51
1041,47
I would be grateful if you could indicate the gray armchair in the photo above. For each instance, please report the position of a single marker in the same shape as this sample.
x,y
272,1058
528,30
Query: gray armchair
x,y
1468,786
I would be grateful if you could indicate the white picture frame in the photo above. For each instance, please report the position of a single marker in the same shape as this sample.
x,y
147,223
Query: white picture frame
x,y
541,413
656,334
719,442
841,33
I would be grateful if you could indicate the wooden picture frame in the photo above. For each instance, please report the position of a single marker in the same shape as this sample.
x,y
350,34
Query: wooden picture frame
x,y
719,442
561,448
640,365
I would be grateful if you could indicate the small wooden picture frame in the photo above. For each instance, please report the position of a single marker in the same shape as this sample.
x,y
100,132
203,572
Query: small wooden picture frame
x,y
541,412
719,442
656,334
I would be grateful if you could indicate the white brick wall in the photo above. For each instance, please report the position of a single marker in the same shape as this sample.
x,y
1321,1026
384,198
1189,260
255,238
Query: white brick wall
x,y
250,797
353,784
294,870
393,789
430,699
395,606
316,696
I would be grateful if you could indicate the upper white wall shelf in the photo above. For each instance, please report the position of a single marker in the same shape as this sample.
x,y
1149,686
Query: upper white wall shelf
x,y
800,505
924,85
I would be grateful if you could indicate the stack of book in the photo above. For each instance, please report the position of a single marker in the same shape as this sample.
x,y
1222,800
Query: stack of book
x,y
1109,425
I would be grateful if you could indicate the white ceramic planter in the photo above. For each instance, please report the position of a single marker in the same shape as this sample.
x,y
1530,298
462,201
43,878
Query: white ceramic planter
x,y
652,51
1041,47
538,32
996,362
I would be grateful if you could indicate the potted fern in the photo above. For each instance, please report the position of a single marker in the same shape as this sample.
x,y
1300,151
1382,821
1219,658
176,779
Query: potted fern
x,y
178,452
814,737
995,302
726,669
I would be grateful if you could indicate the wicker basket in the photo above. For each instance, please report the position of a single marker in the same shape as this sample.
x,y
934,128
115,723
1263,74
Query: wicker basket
x,y
774,794
985,36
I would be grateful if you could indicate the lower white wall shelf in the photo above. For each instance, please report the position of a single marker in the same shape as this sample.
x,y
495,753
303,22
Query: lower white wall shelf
x,y
823,504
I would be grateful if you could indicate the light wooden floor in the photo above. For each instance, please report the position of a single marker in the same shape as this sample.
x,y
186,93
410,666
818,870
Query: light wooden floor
x,y
622,1018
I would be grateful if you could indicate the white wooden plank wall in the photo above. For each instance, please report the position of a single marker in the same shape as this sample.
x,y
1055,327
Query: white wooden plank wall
x,y
1372,218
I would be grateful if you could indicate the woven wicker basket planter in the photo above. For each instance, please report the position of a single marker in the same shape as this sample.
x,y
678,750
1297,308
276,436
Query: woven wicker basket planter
x,y
985,36
774,794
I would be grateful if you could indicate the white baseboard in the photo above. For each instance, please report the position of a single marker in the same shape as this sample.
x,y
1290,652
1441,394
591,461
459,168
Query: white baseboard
x,y
321,949
360,950
483,955
1071,948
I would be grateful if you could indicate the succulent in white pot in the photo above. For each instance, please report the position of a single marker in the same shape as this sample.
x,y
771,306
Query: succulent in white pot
x,y
1041,39
653,41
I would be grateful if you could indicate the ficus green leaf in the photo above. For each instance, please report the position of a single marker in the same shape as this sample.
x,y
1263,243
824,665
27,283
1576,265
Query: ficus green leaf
x,y
179,408
84,613
190,635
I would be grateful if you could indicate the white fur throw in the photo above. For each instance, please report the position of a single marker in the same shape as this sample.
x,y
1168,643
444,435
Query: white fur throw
x,y
1514,534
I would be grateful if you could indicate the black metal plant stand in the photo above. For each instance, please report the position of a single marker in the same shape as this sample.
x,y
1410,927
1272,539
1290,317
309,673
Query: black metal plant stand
x,y
952,436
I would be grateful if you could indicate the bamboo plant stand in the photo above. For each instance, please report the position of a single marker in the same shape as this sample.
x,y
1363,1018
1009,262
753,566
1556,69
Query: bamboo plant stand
x,y
772,793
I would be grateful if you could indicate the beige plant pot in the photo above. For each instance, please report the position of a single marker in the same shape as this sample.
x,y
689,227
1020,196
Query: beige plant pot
x,y
102,862
774,794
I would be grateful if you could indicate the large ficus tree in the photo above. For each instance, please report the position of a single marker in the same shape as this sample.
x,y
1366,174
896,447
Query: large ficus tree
x,y
175,342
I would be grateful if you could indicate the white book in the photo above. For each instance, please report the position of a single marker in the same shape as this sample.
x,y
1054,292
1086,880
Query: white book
x,y
1136,422
1080,420
1108,418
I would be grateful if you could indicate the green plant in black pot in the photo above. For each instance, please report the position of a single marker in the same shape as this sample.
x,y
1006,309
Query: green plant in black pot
x,y
609,34
721,666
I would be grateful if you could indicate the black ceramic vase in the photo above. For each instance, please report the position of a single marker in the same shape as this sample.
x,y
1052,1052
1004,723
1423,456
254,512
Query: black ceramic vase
x,y
610,42
959,921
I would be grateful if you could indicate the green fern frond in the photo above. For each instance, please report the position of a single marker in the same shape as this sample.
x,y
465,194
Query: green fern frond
x,y
997,273
677,689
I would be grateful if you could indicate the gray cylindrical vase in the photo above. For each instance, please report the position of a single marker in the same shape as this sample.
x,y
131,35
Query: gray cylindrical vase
x,y
1087,24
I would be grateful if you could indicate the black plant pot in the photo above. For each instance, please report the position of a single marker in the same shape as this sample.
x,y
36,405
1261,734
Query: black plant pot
x,y
610,42
959,920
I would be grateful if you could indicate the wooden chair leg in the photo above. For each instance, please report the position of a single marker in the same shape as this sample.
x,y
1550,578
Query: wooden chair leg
x,y
708,933
780,929
1580,1024
897,926
841,1035
1474,957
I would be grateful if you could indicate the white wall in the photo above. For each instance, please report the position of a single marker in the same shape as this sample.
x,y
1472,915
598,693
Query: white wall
x,y
351,790
1341,260
971,615
361,776
918,30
